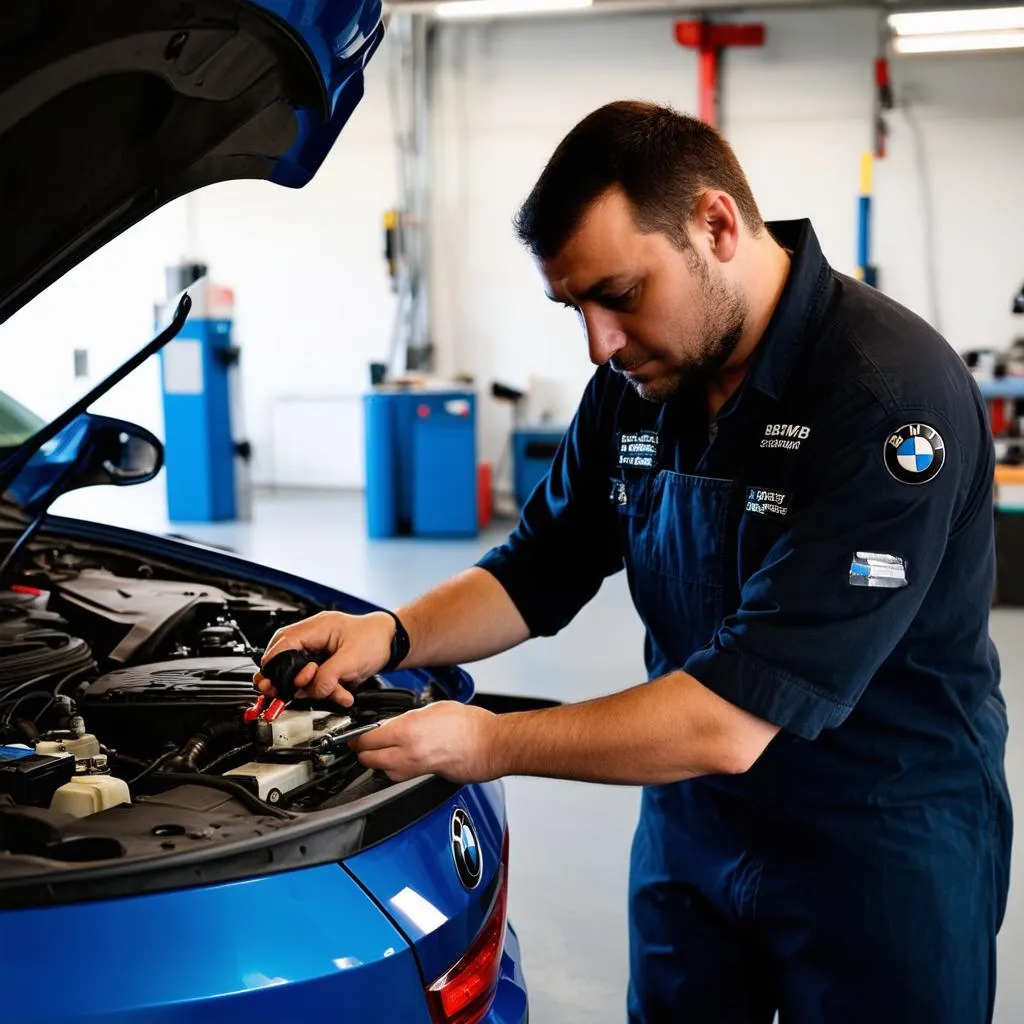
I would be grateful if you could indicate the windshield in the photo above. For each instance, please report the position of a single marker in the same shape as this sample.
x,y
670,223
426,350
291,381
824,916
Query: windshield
x,y
17,424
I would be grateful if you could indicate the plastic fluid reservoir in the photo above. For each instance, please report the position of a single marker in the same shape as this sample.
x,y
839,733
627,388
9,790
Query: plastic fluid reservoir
x,y
89,794
82,747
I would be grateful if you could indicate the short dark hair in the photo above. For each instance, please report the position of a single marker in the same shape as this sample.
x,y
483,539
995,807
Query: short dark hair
x,y
663,161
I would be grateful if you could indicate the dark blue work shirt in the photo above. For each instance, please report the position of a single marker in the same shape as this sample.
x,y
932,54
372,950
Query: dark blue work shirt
x,y
822,557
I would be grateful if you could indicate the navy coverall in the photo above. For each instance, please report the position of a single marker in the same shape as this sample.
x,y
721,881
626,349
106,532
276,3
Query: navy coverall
x,y
822,556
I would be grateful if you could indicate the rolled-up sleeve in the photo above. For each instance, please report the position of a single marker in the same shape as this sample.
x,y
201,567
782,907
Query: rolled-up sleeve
x,y
845,577
566,542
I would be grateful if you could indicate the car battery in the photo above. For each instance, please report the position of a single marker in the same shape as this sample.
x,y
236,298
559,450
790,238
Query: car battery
x,y
31,778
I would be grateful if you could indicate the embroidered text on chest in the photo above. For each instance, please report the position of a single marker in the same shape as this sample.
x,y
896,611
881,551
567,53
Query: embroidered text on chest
x,y
784,435
639,449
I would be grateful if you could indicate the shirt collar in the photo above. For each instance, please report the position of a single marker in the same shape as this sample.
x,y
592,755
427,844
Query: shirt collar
x,y
800,309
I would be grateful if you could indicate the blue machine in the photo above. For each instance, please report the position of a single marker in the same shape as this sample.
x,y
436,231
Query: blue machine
x,y
207,469
533,449
421,463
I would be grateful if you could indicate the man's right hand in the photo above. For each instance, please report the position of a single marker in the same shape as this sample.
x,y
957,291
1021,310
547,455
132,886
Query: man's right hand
x,y
357,646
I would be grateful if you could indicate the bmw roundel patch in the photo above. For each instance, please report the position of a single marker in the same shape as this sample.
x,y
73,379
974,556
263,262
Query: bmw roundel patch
x,y
914,454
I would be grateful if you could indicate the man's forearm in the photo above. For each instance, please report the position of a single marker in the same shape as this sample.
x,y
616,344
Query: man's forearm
x,y
664,731
467,618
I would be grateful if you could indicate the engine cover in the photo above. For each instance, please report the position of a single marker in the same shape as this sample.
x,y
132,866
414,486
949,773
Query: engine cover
x,y
207,680
139,709
135,620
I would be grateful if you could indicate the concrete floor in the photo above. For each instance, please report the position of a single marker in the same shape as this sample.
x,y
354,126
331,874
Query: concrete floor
x,y
570,842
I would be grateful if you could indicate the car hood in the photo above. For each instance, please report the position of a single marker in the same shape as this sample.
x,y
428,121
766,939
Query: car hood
x,y
111,108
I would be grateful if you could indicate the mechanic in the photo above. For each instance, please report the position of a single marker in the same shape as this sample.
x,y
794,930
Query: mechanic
x,y
796,473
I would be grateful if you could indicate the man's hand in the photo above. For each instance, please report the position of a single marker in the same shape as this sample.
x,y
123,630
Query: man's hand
x,y
664,731
357,645
448,739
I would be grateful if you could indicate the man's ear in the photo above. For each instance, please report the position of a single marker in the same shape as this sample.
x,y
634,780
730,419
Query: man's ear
x,y
717,224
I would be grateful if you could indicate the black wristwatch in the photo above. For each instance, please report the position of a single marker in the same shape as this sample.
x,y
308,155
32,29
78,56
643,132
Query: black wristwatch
x,y
399,645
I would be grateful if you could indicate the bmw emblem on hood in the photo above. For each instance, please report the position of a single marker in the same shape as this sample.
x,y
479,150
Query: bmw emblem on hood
x,y
466,852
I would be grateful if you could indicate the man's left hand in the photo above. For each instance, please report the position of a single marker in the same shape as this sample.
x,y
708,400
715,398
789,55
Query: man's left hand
x,y
447,739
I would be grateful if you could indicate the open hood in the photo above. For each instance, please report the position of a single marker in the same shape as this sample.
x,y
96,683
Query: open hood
x,y
111,108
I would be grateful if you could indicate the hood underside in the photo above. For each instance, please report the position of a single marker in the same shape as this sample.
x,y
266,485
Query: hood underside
x,y
110,108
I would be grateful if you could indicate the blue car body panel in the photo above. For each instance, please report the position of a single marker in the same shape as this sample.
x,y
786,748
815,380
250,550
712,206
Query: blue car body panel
x,y
277,948
510,1004
341,37
426,899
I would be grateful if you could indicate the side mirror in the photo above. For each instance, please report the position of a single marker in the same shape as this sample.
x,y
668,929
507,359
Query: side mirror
x,y
90,450
122,454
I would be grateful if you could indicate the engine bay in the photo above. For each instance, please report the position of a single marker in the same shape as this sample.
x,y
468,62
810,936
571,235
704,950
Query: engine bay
x,y
129,724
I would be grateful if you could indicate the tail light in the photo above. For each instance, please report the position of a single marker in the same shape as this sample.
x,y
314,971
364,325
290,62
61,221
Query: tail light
x,y
463,994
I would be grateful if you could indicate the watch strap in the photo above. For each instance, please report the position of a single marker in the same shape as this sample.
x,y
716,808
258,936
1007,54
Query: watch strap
x,y
399,645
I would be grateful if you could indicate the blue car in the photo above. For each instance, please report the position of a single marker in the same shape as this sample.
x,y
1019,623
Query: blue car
x,y
170,850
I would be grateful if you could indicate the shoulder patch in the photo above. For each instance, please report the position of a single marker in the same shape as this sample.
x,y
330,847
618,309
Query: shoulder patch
x,y
869,569
914,454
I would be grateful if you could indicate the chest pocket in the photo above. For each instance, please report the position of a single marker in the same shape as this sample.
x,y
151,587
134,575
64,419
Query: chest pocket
x,y
687,527
678,551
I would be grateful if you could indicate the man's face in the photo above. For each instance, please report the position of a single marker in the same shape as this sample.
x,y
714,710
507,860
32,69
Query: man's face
x,y
662,317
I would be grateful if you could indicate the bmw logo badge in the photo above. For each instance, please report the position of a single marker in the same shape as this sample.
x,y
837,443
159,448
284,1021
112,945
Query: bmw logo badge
x,y
466,852
914,454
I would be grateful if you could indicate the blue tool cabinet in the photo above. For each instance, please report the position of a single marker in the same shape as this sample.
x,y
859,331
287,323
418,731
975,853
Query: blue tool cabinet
x,y
421,463
532,452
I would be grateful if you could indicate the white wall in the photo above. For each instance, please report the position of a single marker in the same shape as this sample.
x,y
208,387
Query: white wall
x,y
798,113
313,301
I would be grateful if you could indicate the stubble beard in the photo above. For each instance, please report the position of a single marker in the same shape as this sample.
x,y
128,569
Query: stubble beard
x,y
724,314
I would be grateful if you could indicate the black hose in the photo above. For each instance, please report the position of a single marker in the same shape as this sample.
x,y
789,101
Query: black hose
x,y
237,790
201,744
37,654
18,700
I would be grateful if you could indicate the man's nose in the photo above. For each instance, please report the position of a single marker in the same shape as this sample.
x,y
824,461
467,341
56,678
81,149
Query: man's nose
x,y
605,336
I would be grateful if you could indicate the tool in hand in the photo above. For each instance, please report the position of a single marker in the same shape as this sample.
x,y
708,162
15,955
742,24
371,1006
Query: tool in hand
x,y
337,743
281,670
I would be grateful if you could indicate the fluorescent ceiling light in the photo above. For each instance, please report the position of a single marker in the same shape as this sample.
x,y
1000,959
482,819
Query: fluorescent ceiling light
x,y
493,8
930,23
952,42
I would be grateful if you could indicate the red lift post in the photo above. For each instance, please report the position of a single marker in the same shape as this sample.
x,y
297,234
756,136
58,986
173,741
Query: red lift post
x,y
709,40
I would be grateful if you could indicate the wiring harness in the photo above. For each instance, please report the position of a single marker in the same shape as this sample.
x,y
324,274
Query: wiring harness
x,y
36,665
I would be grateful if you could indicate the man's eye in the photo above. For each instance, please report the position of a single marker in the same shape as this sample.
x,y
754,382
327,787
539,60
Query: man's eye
x,y
621,301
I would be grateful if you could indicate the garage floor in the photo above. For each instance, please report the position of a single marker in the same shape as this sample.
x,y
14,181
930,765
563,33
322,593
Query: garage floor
x,y
570,842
